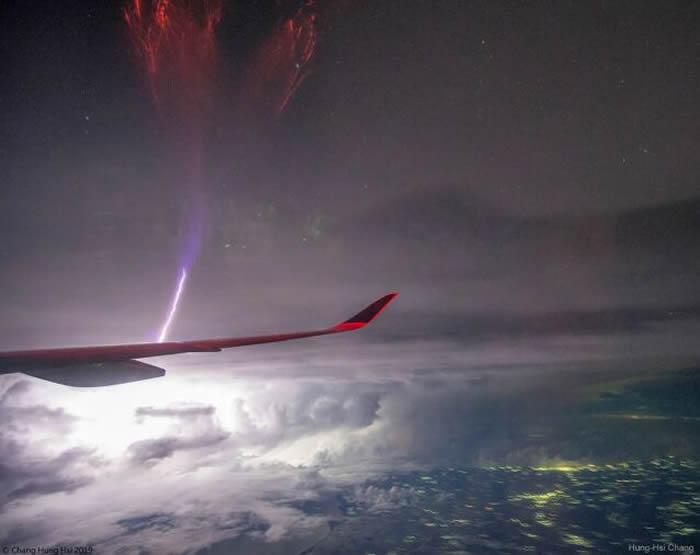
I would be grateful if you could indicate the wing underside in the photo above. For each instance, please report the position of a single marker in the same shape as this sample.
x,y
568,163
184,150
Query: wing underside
x,y
98,374
114,364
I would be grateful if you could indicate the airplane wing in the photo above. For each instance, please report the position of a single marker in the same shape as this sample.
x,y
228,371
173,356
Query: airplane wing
x,y
114,364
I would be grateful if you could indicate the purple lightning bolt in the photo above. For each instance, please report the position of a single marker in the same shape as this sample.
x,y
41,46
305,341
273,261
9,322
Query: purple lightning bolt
x,y
173,306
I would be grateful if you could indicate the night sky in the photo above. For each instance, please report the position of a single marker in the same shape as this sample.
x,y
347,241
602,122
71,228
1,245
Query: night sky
x,y
526,175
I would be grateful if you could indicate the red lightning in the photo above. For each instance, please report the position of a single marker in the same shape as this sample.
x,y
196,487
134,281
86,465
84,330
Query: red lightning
x,y
284,60
175,39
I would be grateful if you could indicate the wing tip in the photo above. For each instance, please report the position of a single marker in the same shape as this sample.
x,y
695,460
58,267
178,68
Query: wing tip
x,y
367,314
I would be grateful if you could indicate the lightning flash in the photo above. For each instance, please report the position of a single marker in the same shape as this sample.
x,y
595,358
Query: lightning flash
x,y
173,306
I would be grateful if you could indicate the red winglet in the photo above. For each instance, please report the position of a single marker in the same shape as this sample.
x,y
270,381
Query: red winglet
x,y
367,314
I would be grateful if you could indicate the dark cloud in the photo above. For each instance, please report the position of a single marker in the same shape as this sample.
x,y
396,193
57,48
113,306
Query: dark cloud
x,y
481,257
150,451
161,522
26,471
15,389
198,429
23,533
24,418
177,412
19,416
24,474
44,486
480,328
